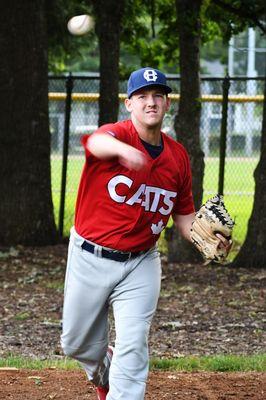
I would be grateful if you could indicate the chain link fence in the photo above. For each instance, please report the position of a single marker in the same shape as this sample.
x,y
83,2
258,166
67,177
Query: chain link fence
x,y
73,110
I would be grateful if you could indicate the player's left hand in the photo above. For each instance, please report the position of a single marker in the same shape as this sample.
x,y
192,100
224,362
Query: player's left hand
x,y
224,244
211,230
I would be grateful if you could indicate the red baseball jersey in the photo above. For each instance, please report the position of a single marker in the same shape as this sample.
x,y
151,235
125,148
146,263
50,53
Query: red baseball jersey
x,y
127,210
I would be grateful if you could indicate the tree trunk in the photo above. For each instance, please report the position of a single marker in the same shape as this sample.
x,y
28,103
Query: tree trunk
x,y
108,26
253,252
26,209
187,122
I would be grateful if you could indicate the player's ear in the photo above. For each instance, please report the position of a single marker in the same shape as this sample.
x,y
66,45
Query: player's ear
x,y
128,105
168,103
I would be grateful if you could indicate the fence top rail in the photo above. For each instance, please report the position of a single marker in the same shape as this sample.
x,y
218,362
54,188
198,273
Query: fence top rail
x,y
217,98
171,77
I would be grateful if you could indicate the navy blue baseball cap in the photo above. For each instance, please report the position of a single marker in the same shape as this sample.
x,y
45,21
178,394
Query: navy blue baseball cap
x,y
145,77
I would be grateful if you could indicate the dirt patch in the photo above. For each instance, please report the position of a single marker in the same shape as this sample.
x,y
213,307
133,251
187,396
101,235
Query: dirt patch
x,y
62,385
202,309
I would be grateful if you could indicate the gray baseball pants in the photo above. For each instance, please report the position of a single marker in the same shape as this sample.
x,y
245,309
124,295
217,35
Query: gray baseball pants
x,y
132,288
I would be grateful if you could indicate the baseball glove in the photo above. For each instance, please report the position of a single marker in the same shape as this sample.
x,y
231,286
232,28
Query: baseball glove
x,y
212,218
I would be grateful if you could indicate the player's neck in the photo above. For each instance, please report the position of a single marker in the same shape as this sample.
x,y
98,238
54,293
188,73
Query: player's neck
x,y
150,135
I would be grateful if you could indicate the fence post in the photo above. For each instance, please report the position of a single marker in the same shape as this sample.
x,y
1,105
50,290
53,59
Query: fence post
x,y
69,87
223,136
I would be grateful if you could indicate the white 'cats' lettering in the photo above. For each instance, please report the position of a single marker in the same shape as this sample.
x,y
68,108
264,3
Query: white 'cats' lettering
x,y
147,196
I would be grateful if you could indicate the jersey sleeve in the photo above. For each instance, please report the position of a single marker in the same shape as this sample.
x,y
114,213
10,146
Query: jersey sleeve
x,y
184,204
116,130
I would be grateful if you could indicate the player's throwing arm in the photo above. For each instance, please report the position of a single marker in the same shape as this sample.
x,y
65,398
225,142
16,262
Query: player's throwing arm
x,y
105,146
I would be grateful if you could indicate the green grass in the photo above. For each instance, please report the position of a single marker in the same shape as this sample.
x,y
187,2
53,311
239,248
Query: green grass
x,y
22,316
238,188
57,285
219,363
74,169
32,363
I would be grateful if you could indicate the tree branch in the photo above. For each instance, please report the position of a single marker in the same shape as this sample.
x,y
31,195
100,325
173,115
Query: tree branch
x,y
242,12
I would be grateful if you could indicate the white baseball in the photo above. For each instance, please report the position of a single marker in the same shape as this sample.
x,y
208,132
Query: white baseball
x,y
80,24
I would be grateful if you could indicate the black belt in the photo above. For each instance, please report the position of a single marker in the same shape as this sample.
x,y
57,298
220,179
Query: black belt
x,y
112,254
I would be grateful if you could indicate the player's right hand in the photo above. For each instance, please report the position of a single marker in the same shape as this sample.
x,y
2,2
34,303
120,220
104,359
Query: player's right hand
x,y
132,158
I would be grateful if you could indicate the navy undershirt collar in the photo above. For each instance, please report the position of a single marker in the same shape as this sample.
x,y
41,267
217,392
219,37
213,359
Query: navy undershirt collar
x,y
154,151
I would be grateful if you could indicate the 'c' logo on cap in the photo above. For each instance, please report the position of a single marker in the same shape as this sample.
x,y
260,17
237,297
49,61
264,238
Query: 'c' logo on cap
x,y
150,75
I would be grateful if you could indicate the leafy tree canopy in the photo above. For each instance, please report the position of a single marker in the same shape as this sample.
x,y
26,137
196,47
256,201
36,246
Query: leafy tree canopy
x,y
66,50
234,16
149,35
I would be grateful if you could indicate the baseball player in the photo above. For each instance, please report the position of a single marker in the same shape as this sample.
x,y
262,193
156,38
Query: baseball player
x,y
134,178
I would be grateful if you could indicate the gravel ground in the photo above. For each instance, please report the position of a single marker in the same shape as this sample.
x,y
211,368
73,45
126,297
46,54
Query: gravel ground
x,y
202,309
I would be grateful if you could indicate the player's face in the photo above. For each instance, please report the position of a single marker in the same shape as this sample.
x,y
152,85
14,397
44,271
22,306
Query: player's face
x,y
148,106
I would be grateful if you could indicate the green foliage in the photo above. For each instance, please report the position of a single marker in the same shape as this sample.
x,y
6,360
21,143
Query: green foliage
x,y
153,35
215,50
149,33
235,16
65,51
